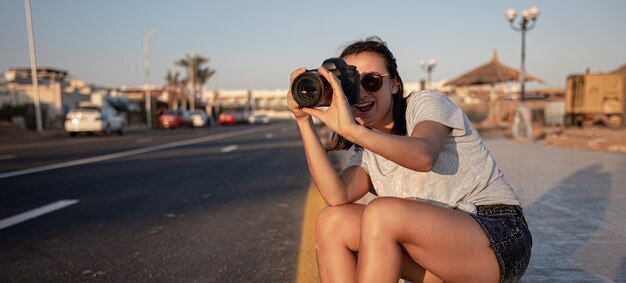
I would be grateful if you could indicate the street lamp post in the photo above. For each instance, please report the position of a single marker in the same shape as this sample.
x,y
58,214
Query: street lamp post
x,y
528,18
428,67
33,66
148,88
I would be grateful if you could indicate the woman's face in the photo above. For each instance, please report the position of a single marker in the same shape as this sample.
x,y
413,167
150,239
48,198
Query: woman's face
x,y
374,108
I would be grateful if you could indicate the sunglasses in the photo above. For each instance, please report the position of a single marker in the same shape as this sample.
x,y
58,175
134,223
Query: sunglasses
x,y
372,82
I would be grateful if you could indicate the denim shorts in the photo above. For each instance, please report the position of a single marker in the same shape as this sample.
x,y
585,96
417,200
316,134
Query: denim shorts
x,y
510,238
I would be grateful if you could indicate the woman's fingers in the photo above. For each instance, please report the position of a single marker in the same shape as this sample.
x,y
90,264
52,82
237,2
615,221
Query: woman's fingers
x,y
292,77
319,114
295,74
339,98
291,103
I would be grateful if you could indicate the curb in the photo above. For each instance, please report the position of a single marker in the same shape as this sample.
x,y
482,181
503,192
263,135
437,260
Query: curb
x,y
307,258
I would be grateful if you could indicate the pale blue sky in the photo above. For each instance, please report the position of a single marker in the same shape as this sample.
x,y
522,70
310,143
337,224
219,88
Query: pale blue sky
x,y
256,44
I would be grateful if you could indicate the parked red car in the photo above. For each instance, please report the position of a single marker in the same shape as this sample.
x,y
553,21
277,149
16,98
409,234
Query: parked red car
x,y
172,119
227,119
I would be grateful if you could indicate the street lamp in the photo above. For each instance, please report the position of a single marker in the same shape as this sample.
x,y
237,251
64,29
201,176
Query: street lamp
x,y
33,65
527,22
146,64
428,67
522,124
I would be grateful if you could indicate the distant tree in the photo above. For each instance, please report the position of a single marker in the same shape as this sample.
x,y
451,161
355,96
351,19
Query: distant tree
x,y
196,75
173,87
203,77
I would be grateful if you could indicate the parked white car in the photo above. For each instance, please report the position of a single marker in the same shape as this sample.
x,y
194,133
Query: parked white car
x,y
105,120
258,119
198,118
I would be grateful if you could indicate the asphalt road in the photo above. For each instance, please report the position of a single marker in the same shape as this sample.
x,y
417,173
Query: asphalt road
x,y
189,205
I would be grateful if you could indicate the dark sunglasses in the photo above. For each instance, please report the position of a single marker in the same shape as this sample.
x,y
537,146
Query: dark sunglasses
x,y
372,82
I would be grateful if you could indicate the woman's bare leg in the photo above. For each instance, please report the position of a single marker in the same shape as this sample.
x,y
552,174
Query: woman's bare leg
x,y
337,236
413,272
337,233
448,243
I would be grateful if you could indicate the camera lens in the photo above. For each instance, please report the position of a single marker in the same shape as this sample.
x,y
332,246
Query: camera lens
x,y
310,89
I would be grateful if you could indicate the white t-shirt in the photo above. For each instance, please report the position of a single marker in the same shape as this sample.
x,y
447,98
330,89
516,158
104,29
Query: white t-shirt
x,y
465,174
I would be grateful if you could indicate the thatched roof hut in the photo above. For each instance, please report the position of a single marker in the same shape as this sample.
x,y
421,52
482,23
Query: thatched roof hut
x,y
490,73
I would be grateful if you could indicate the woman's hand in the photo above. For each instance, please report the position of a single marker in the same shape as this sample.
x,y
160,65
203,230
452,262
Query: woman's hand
x,y
338,116
291,103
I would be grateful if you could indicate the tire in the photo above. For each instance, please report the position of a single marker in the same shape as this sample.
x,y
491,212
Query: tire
x,y
587,123
580,121
73,134
569,120
615,121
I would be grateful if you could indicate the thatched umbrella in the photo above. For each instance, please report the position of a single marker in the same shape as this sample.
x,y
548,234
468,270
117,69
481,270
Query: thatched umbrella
x,y
491,73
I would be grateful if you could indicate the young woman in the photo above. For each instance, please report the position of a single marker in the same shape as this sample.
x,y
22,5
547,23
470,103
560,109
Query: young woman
x,y
444,211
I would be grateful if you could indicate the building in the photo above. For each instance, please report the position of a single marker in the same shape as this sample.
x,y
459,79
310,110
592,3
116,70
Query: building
x,y
58,94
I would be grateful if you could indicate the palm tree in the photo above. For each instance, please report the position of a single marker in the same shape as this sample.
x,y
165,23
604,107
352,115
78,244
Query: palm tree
x,y
196,76
182,97
172,84
202,76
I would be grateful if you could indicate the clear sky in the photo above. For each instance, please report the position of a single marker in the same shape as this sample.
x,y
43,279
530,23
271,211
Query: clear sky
x,y
256,44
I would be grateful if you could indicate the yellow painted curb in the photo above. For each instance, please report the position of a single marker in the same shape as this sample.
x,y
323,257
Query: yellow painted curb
x,y
307,263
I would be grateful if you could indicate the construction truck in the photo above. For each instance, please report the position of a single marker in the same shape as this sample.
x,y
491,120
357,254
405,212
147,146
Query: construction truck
x,y
595,98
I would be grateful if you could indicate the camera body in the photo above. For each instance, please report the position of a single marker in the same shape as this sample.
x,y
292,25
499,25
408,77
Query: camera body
x,y
311,89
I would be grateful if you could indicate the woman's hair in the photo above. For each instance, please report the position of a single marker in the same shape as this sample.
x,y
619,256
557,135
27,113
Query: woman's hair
x,y
376,45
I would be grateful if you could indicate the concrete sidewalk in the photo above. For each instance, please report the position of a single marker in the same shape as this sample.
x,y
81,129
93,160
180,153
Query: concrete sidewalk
x,y
575,205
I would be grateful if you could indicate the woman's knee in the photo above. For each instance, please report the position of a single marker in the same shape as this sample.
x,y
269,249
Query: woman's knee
x,y
329,220
387,216
380,208
337,223
376,217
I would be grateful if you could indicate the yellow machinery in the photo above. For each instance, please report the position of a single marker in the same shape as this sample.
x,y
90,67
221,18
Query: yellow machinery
x,y
595,98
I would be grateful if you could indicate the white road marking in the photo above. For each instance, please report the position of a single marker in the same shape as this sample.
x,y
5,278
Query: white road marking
x,y
269,135
229,148
132,152
7,156
28,215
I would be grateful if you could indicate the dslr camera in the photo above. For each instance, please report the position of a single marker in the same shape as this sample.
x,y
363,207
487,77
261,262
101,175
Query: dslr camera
x,y
311,89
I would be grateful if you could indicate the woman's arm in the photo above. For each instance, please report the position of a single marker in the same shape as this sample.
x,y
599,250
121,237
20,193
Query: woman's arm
x,y
350,185
417,152
347,187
